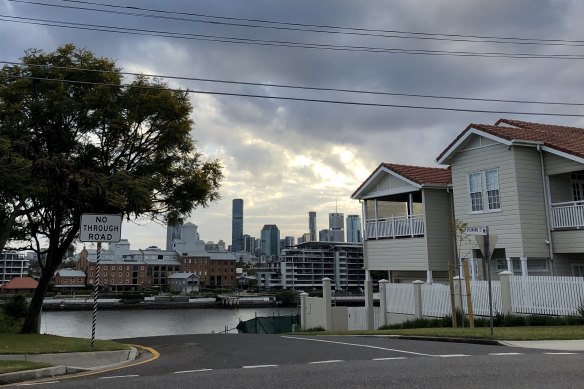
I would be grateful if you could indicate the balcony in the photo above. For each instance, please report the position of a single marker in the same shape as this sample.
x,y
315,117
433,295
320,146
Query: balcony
x,y
568,215
395,227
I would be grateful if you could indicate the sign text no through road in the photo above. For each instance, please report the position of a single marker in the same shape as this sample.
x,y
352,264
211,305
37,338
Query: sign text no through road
x,y
100,228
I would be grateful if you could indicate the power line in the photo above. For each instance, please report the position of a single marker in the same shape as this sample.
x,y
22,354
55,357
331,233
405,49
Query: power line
x,y
223,39
332,27
299,87
286,98
279,26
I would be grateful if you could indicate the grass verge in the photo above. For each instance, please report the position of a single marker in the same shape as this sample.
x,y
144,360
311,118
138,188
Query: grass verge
x,y
499,333
14,366
42,344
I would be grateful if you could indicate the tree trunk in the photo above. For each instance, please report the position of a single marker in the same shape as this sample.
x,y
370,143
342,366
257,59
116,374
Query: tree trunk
x,y
31,320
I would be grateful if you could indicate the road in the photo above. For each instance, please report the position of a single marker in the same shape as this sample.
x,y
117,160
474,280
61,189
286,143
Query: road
x,y
281,361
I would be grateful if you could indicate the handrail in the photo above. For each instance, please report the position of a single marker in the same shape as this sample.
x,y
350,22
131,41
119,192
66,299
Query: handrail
x,y
567,203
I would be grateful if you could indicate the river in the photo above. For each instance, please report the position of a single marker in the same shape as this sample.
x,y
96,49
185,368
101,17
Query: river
x,y
116,324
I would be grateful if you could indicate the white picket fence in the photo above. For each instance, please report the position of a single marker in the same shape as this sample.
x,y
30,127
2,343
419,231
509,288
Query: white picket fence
x,y
436,300
547,295
400,298
358,318
480,297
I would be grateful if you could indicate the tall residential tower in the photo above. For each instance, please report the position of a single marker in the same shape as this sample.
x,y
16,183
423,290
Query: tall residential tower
x,y
312,225
237,243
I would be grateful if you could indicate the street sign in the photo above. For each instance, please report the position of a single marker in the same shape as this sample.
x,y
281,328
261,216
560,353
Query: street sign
x,y
100,228
476,230
481,243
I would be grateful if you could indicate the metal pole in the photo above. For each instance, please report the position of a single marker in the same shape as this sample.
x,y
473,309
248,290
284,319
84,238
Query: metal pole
x,y
488,259
95,294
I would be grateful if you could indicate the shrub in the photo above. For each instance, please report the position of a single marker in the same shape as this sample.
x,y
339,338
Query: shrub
x,y
314,329
16,306
286,297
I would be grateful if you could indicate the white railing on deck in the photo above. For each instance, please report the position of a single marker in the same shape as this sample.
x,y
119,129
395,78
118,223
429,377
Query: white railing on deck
x,y
568,215
395,227
547,295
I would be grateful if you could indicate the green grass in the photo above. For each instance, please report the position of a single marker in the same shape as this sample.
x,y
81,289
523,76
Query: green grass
x,y
499,333
42,344
14,366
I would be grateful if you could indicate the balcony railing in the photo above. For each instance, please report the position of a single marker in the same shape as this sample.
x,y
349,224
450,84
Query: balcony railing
x,y
395,227
568,215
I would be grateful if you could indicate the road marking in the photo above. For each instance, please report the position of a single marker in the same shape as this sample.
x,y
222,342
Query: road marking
x,y
388,359
191,371
451,355
502,354
118,376
257,366
329,361
39,383
358,345
561,353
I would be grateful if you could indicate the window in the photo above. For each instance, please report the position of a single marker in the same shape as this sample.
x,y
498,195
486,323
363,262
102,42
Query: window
x,y
578,270
483,188
577,179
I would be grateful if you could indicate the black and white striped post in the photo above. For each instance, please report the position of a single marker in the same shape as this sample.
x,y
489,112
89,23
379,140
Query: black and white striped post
x,y
99,228
95,294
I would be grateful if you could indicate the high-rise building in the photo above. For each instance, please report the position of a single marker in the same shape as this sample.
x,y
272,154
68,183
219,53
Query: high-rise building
x,y
173,232
325,236
354,228
237,226
271,240
289,241
312,225
336,225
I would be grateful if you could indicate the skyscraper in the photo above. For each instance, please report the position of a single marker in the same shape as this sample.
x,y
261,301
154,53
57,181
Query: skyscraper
x,y
312,225
271,240
354,229
173,232
237,226
336,225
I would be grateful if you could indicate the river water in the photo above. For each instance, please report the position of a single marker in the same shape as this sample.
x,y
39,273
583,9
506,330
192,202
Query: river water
x,y
150,322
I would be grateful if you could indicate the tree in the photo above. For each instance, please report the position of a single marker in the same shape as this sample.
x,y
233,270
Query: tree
x,y
95,145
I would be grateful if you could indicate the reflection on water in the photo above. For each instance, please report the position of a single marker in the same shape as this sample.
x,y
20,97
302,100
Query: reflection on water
x,y
150,322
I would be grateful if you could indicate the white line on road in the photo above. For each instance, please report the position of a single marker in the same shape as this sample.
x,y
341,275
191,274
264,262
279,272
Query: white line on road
x,y
388,359
451,355
38,383
358,345
118,376
561,353
502,354
329,361
257,366
191,371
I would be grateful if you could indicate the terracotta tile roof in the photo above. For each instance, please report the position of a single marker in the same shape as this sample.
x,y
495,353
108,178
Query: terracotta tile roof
x,y
566,139
21,283
422,175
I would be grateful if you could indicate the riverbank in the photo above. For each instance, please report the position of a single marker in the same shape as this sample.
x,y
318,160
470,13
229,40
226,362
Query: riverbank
x,y
86,305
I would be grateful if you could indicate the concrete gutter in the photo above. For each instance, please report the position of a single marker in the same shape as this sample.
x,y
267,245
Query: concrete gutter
x,y
69,363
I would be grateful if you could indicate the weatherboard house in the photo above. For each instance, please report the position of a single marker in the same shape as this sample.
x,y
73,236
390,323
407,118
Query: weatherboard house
x,y
523,180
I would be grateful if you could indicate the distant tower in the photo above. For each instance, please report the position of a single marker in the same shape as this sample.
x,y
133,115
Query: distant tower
x,y
173,232
271,240
312,225
354,228
336,225
237,226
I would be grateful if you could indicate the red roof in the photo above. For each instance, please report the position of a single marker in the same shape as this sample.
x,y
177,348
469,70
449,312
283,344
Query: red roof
x,y
21,283
569,140
420,174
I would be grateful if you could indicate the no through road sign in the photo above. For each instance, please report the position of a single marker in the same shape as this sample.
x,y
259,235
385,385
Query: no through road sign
x,y
100,228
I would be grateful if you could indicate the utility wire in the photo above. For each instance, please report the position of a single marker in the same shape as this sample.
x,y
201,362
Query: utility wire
x,y
332,27
286,98
215,38
322,30
299,87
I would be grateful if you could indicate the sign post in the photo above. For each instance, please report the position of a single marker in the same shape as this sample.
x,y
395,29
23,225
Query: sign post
x,y
99,228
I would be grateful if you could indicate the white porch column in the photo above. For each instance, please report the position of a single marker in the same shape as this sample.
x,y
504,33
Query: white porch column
x,y
369,301
472,263
524,266
383,301
429,277
509,264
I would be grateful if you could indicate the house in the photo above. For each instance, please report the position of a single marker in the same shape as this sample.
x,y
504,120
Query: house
x,y
69,278
523,180
184,283
406,213
19,285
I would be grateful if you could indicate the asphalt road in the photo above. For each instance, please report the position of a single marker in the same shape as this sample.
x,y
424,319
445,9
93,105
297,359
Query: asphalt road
x,y
274,361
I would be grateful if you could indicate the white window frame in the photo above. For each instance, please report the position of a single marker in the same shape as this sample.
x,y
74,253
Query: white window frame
x,y
483,192
580,266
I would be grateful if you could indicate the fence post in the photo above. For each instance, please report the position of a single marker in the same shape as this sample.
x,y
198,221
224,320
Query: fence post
x,y
418,298
383,301
505,277
457,280
326,295
369,301
303,310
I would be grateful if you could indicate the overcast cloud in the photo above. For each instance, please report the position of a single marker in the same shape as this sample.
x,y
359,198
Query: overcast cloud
x,y
286,158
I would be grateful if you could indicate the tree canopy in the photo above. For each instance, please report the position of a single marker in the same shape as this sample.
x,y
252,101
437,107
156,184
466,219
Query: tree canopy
x,y
76,138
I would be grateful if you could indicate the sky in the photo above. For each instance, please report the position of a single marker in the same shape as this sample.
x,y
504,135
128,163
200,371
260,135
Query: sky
x,y
286,157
